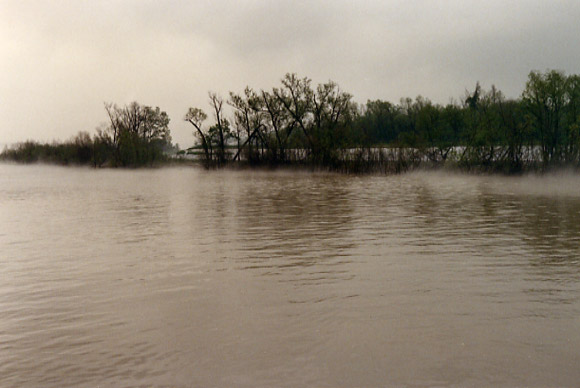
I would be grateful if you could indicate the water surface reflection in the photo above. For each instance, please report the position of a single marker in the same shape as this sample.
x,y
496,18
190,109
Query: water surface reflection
x,y
184,277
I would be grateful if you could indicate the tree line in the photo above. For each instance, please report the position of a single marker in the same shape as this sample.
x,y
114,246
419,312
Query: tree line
x,y
322,126
294,122
300,123
136,135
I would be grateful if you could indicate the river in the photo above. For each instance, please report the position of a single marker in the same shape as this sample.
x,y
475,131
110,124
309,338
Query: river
x,y
181,277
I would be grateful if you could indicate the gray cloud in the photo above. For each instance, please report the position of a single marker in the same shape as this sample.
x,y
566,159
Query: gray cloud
x,y
62,59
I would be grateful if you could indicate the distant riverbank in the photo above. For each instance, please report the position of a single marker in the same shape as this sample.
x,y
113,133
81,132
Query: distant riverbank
x,y
379,160
321,127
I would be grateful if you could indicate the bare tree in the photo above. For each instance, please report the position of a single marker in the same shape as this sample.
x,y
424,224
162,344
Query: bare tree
x,y
221,126
196,117
279,121
249,117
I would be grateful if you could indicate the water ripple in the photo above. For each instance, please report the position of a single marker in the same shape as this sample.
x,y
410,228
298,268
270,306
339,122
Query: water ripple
x,y
183,277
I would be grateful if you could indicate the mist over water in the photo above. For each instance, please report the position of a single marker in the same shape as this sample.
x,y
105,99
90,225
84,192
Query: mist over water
x,y
185,277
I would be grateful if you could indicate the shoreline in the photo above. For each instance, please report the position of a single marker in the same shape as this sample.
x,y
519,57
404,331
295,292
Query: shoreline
x,y
369,169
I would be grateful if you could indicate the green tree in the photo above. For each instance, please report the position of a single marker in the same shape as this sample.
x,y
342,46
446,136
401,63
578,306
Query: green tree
x,y
484,135
545,97
572,150
139,133
378,122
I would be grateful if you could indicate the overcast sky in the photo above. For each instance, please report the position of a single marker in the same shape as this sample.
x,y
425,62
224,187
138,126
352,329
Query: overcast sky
x,y
61,60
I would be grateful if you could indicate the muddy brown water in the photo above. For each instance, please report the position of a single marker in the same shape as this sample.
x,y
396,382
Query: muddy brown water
x,y
182,277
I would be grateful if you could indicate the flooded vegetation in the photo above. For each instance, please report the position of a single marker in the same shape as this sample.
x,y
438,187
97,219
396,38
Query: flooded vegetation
x,y
191,277
135,136
321,126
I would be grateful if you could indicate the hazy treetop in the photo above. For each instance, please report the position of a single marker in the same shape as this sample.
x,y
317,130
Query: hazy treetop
x,y
60,60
